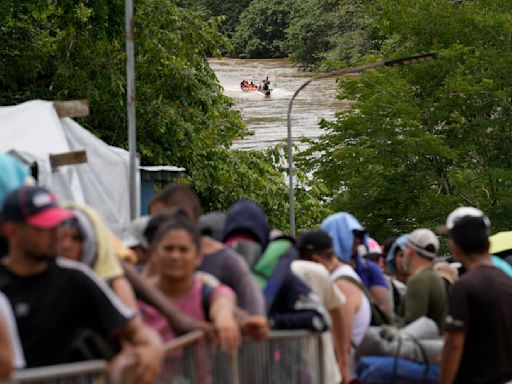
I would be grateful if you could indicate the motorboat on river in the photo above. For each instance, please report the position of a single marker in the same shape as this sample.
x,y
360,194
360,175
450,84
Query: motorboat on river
x,y
264,87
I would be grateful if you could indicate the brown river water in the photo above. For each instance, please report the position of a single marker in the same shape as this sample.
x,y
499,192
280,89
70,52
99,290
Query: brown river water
x,y
266,116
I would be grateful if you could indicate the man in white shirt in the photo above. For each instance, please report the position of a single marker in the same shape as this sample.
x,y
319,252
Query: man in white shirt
x,y
317,277
317,246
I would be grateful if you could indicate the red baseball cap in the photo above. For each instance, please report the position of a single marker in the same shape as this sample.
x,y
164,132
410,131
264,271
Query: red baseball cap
x,y
35,206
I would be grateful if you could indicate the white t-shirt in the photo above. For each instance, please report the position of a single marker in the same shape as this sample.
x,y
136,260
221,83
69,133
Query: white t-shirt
x,y
12,330
362,318
318,279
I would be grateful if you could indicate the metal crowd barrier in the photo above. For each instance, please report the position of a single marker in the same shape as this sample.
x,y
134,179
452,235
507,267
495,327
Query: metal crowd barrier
x,y
87,372
286,357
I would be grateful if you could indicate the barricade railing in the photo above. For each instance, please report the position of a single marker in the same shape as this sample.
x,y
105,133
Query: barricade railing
x,y
286,357
86,372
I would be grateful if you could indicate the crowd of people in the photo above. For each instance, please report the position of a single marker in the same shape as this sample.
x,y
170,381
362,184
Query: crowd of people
x,y
70,290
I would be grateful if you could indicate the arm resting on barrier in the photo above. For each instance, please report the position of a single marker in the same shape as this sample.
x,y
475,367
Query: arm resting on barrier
x,y
222,313
253,326
452,353
146,346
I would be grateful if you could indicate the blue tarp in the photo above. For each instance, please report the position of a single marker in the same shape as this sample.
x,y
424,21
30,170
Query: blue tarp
x,y
388,369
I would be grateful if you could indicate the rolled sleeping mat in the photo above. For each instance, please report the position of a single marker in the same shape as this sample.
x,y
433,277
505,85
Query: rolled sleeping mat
x,y
419,341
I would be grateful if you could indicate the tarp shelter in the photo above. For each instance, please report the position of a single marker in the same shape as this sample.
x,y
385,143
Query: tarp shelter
x,y
500,242
35,131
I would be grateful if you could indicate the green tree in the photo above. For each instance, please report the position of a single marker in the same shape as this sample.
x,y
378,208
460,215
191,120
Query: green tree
x,y
228,10
58,50
354,35
425,138
261,32
308,34
330,33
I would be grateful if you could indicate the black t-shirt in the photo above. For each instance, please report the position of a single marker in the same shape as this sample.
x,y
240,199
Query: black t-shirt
x,y
4,247
481,307
51,307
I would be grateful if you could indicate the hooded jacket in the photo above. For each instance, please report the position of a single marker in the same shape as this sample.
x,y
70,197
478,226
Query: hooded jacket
x,y
247,216
289,301
341,227
98,249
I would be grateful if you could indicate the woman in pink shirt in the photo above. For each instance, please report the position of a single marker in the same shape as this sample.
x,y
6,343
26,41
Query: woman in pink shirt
x,y
175,249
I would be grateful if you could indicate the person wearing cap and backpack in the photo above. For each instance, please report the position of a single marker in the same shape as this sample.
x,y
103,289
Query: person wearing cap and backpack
x,y
357,311
317,277
478,337
426,295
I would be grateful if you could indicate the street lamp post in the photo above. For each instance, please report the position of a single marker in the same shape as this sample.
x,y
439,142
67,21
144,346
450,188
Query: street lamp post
x,y
337,73
130,102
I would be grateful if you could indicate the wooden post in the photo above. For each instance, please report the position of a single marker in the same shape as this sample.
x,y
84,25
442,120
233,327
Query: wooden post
x,y
68,158
72,108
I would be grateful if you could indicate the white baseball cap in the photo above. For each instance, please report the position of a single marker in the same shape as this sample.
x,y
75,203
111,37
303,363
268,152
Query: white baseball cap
x,y
460,213
425,242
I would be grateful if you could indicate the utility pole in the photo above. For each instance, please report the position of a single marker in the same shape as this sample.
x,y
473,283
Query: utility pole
x,y
130,103
337,73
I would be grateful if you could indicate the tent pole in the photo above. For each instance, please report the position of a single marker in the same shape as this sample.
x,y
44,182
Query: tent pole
x,y
130,102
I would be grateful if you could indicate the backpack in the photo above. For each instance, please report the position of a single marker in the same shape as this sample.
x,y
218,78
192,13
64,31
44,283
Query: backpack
x,y
206,294
270,266
379,317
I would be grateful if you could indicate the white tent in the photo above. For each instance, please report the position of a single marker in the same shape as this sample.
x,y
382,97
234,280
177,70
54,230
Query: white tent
x,y
35,131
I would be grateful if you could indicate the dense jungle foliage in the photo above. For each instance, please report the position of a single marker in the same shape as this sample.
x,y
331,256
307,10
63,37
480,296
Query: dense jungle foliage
x,y
62,50
419,139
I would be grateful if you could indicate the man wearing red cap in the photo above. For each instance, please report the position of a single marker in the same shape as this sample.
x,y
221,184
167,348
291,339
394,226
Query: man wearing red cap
x,y
54,300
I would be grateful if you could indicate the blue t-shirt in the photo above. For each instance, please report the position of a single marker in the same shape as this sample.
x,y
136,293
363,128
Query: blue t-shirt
x,y
370,273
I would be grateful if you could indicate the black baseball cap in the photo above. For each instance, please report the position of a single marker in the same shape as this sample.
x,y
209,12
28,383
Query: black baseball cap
x,y
35,206
317,240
